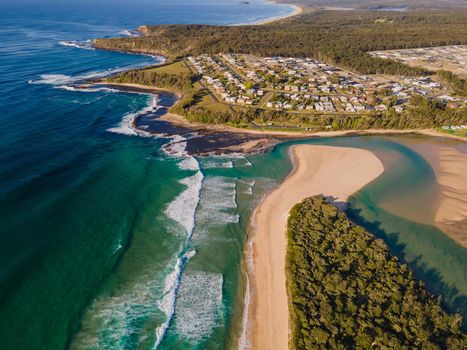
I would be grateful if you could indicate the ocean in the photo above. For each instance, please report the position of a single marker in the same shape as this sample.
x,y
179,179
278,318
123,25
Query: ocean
x,y
112,240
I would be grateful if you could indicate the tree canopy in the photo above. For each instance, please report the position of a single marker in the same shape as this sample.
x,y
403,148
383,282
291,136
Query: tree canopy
x,y
347,292
342,38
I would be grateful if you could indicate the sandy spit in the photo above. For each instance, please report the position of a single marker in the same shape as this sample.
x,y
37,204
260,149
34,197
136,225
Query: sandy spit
x,y
451,216
318,170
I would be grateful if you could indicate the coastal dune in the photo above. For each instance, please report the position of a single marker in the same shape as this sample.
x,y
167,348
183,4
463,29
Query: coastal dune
x,y
336,172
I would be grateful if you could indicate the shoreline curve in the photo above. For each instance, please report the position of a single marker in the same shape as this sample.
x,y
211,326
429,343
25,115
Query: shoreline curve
x,y
337,172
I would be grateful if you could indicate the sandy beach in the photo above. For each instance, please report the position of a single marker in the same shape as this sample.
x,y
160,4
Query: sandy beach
x,y
451,216
330,171
296,11
448,158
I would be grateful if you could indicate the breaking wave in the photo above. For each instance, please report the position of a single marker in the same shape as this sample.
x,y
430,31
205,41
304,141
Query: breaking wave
x,y
198,308
79,44
127,32
189,163
167,303
84,89
125,127
183,208
62,79
214,164
249,186
176,147
217,204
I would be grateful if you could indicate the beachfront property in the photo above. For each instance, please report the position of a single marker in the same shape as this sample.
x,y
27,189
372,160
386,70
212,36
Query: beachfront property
x,y
452,58
305,85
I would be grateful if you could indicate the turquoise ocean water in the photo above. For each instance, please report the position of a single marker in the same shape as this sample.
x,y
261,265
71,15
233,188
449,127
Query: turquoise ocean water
x,y
107,240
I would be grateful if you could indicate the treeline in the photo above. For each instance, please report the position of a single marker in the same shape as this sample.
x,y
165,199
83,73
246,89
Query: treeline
x,y
383,4
458,84
337,37
347,292
181,82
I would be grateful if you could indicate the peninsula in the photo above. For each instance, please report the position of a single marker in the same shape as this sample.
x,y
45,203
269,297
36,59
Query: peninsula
x,y
320,72
317,171
295,75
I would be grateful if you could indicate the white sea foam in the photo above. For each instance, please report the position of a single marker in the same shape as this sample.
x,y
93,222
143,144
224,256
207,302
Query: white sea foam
x,y
125,127
119,315
52,79
244,341
189,163
233,155
83,89
198,308
249,186
127,32
176,147
118,247
215,164
217,205
167,303
183,208
83,44
62,79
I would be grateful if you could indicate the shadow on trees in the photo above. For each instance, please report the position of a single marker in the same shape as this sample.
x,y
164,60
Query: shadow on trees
x,y
452,299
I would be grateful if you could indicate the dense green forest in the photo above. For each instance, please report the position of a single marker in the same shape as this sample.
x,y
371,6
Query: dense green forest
x,y
458,84
347,292
342,38
381,4
181,82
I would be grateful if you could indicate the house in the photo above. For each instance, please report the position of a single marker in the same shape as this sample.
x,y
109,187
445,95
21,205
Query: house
x,y
359,108
381,108
319,107
398,109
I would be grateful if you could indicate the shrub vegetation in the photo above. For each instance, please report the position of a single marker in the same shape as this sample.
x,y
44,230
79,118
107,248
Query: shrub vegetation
x,y
347,292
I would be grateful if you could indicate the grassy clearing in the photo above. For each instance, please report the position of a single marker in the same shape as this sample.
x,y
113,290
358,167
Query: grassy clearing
x,y
177,67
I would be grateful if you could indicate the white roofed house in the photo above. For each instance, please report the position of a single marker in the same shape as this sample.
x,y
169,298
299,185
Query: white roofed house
x,y
398,108
319,107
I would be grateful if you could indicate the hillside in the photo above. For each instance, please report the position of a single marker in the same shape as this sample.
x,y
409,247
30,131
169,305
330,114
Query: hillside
x,y
336,37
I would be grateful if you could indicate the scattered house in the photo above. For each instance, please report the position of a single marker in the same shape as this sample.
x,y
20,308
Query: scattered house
x,y
309,84
398,109
381,107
